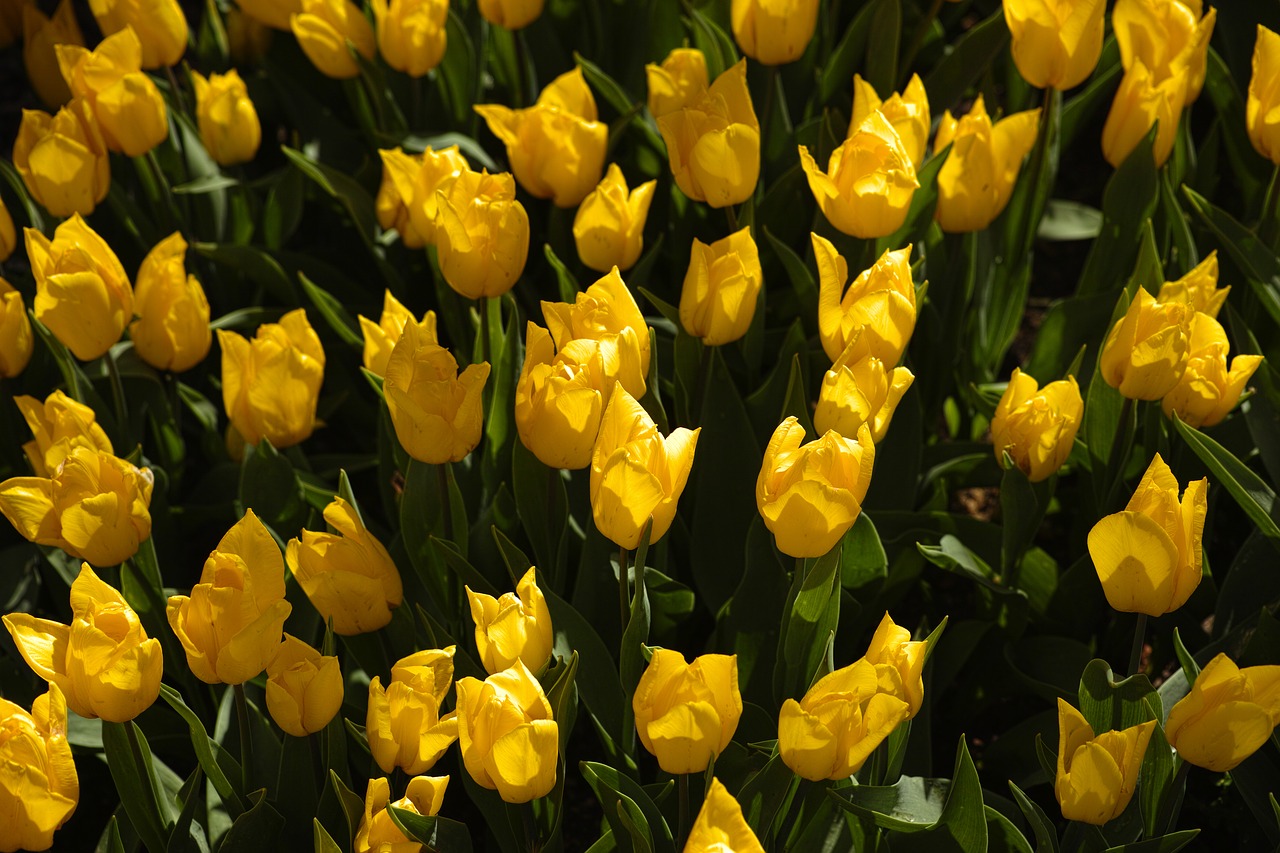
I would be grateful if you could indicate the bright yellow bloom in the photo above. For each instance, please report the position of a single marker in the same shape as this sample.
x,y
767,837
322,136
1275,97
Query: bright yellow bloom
x,y
482,233
41,790
870,179
511,14
1037,426
411,33
881,302
437,172
1199,287
1140,102
404,725
273,13
58,426
395,194
899,663
606,308
720,288
16,340
1146,351
1229,713
1097,774
40,36
378,833
1208,389
810,495
857,390
1262,112
1167,36
8,235
304,688
1148,557
976,182
130,111
908,112
608,228
516,626
380,338
228,121
680,78
720,825
1056,43
159,24
686,713
172,329
328,30
636,474
508,738
63,159
713,141
773,32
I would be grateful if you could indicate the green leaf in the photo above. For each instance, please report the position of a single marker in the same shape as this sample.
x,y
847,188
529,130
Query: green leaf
x,y
438,833
714,42
862,556
269,486
1065,220
1253,495
129,759
1128,202
599,685
321,840
810,616
543,505
630,812
883,39
204,747
568,284
342,187
1109,704
802,281
256,830
966,60
1002,835
1259,264
1022,508
333,312
1041,825
1170,843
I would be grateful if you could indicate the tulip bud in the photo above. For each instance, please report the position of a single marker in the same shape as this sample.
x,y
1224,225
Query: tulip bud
x,y
1146,352
58,426
609,226
1140,102
272,13
899,663
976,182
908,113
606,308
435,171
411,33
870,179
508,738
686,714
773,33
859,390
720,825
636,474
1097,774
41,35
327,30
229,126
8,236
879,306
248,39
1208,390
1056,43
230,625
713,141
304,688
381,338
378,833
63,159
45,789
1037,426
1167,36
1149,556
1228,714
436,412
1262,118
348,575
810,495
128,106
511,14
720,288
16,341
482,234
172,329
680,78
404,724
159,24
1198,287
514,627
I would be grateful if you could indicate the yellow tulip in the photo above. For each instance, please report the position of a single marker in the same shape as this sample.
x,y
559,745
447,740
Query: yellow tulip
x,y
1097,774
508,738
40,36
1262,112
8,236
810,495
721,287
1148,557
1146,352
436,411
773,32
1140,102
404,725
838,723
11,21
1056,43
248,39
976,182
159,24
172,329
395,194
328,30
713,141
720,825
378,833
348,575
272,13
680,78
908,112
271,384
686,713
1198,287
304,688
879,306
230,625
63,159
1167,36
58,426
1229,713
899,663
1208,389
130,111
228,121
636,474
16,340
437,170
511,14
411,33
380,338
606,308
514,627
482,233
41,793
870,179
1037,426
608,228
94,507
857,390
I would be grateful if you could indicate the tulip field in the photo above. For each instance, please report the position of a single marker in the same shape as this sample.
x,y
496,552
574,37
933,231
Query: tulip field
x,y
718,426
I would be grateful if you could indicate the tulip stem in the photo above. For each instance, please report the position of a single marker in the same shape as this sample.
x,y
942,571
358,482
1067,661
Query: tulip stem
x,y
1269,225
704,382
624,604
530,827
117,392
732,218
1139,635
682,826
522,69
317,757
246,745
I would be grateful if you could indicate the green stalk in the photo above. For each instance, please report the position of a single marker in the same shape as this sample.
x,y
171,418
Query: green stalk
x,y
246,739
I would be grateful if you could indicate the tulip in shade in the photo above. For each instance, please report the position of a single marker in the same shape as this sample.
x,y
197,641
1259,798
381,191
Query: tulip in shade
x,y
508,738
172,329
908,112
680,78
228,121
1146,352
721,287
870,180
1262,112
411,33
858,390
880,304
773,32
899,663
1142,101
1037,426
516,626
1097,774
720,826
378,833
16,340
39,788
1208,389
1169,37
404,725
130,111
1198,287
159,24
41,35
8,236
976,182
327,30
381,338
482,233
1229,713
248,39
606,308
608,228
63,159
11,21
1056,43
58,426
304,688
272,13
510,14
686,713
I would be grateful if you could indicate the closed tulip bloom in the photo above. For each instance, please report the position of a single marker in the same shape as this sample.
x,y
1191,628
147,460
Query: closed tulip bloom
x,y
63,159
1262,111
159,25
1056,43
272,13
348,575
976,182
1209,389
773,32
1097,774
608,228
436,171
1149,556
1167,36
248,39
720,825
230,625
16,340
1198,287
40,791
381,338
838,723
395,195
482,234
8,235
879,306
229,126
857,390
721,287
404,725
899,663
1228,714
1037,426
680,78
514,627
686,713
271,384
605,308
378,833
58,426
411,33
328,30
304,688
508,738
713,141
811,494
128,106
1140,102
511,14
1146,352
636,473
172,329
908,112
39,55
870,179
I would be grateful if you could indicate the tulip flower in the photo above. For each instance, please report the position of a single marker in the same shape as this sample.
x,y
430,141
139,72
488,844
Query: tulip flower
x,y
404,724
880,304
130,111
1148,557
159,24
395,195
304,688
328,30
380,338
1228,714
899,663
720,825
870,179
272,13
11,21
858,390
838,723
228,121
713,141
1146,352
720,288
608,228
1097,774
41,35
1167,36
976,182
482,234
907,112
378,833
436,171
636,474
172,329
514,627
63,159
680,78
508,738
510,14
1056,43
686,713
58,426
411,33
8,235
271,384
16,340
1262,118
248,39
606,308
556,147
348,575
41,791
1198,287
810,495
436,411
773,32
230,625
1037,426
1208,389
1140,102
